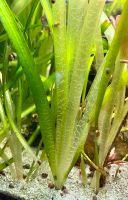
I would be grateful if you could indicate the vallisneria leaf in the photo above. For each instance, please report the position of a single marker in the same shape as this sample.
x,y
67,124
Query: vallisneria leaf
x,y
111,56
120,115
2,115
99,49
10,114
16,36
30,17
91,103
109,109
61,77
75,20
108,62
18,5
83,171
80,73
48,12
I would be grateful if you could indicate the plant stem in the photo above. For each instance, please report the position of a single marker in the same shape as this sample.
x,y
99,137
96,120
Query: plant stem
x,y
93,164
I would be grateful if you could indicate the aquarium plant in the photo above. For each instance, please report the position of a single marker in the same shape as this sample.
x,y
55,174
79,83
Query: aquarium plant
x,y
66,115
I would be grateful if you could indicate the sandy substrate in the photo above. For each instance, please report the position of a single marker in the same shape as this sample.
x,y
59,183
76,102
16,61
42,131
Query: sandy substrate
x,y
37,189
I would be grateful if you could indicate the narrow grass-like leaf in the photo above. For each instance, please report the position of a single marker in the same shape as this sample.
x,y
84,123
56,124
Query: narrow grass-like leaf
x,y
61,79
16,36
2,115
110,106
3,37
99,49
75,19
83,171
120,115
28,22
16,152
80,68
48,12
111,56
86,80
18,5
92,95
9,110
28,111
6,164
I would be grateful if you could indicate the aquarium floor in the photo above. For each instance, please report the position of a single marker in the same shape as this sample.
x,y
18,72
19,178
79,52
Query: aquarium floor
x,y
39,188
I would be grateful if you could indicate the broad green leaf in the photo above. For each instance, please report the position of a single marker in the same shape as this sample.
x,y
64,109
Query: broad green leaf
x,y
75,20
80,73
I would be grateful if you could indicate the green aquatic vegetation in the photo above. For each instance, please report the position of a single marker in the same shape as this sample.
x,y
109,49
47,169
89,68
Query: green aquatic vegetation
x,y
71,42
